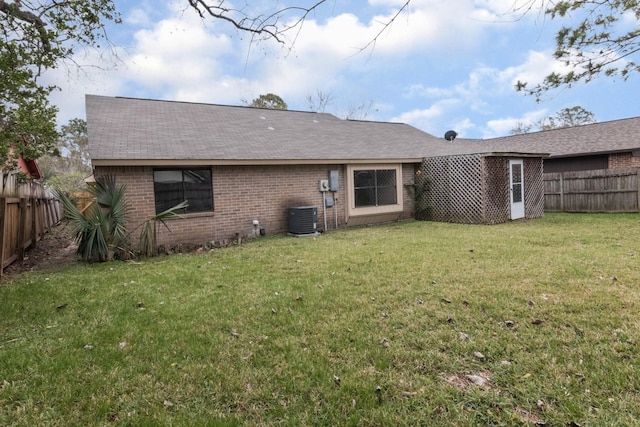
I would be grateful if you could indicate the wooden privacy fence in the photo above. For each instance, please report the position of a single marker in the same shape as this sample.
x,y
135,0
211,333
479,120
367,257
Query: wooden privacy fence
x,y
23,222
605,190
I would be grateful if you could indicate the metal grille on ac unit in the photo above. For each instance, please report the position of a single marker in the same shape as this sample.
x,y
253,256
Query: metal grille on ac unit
x,y
302,220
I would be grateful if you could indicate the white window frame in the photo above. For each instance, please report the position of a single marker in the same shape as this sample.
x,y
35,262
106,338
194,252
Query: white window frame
x,y
373,210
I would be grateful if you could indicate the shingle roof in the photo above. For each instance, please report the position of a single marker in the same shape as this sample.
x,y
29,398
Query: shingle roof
x,y
603,137
128,129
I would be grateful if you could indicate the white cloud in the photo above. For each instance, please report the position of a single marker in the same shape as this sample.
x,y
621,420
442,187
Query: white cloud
x,y
137,17
75,81
427,118
180,57
481,83
488,82
430,26
463,126
536,67
175,53
425,26
442,65
503,126
484,92
421,91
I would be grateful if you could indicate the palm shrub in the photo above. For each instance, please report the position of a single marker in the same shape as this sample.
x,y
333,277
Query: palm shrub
x,y
100,231
149,234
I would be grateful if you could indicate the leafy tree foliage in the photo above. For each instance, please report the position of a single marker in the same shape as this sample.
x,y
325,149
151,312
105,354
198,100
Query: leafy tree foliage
x,y
72,156
567,117
72,182
35,36
270,101
27,120
521,128
74,145
601,38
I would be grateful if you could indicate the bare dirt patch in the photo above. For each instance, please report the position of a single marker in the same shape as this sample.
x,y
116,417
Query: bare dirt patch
x,y
56,248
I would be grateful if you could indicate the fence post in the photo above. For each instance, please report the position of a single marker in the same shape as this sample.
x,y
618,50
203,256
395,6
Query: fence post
x,y
22,224
3,211
49,213
561,191
54,211
34,222
46,218
638,188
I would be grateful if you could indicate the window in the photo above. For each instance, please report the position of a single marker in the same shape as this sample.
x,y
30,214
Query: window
x,y
173,186
374,189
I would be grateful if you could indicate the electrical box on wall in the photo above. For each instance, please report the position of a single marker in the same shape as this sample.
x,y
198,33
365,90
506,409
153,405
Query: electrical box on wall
x,y
324,185
328,202
333,180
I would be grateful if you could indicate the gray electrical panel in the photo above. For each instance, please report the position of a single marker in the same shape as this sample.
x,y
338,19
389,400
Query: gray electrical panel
x,y
329,202
333,180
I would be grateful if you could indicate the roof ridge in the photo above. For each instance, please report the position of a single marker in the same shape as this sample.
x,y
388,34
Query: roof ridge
x,y
564,129
209,104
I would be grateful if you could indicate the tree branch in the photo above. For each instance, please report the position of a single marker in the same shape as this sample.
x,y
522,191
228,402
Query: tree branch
x,y
265,25
13,9
268,25
386,25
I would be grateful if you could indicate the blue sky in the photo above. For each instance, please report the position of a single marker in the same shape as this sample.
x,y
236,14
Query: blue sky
x,y
441,65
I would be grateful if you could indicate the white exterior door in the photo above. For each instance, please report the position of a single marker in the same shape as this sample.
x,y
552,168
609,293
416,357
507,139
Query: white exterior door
x,y
516,188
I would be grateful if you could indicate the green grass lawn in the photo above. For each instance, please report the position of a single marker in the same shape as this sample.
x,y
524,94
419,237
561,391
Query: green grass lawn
x,y
415,323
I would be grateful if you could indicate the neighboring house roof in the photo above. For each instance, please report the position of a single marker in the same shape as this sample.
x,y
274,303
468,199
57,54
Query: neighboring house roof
x,y
26,166
129,131
29,168
596,138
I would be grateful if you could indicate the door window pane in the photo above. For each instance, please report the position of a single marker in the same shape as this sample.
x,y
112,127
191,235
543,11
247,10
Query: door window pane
x,y
517,193
516,173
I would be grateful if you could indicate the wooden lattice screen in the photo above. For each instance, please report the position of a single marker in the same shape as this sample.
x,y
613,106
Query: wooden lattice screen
x,y
497,204
474,189
454,189
534,188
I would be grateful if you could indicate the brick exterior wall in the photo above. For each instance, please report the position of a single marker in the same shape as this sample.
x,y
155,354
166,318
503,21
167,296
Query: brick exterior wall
x,y
623,160
241,194
409,178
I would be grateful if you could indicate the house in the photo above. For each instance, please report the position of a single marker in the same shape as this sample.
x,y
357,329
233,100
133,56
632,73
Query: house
x,y
591,168
603,145
247,170
29,168
10,184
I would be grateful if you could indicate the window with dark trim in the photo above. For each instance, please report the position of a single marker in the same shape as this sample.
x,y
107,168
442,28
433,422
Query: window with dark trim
x,y
173,186
375,187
